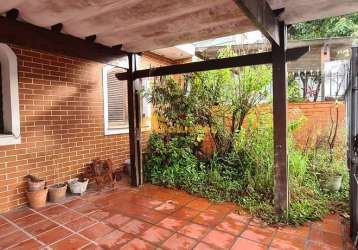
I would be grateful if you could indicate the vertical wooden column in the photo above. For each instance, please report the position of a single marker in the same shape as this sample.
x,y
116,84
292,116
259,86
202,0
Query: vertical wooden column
x,y
280,130
134,118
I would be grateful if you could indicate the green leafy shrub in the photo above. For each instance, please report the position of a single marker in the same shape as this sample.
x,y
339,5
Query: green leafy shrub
x,y
241,168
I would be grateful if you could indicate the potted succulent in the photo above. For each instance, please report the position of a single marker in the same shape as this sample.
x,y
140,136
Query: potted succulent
x,y
78,185
36,191
57,192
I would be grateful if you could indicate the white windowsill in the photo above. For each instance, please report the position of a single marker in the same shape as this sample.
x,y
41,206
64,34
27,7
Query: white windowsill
x,y
119,131
9,140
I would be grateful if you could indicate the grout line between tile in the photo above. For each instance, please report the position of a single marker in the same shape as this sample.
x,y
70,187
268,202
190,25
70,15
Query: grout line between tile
x,y
22,230
69,229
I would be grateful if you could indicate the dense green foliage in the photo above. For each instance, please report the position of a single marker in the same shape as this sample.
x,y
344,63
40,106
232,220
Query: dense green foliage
x,y
241,167
341,26
294,93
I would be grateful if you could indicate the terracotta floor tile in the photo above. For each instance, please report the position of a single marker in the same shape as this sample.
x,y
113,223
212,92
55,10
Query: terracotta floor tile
x,y
114,240
80,223
185,213
332,239
12,239
148,202
315,235
29,220
72,242
259,235
195,231
241,244
243,218
231,226
18,213
313,245
6,229
54,235
161,195
132,210
203,246
27,245
66,217
348,242
168,207
219,239
224,208
332,226
100,215
151,216
41,227
199,204
208,218
86,209
300,231
2,221
287,241
172,223
135,227
77,202
137,244
48,205
55,211
96,231
118,220
156,235
183,199
179,242
92,246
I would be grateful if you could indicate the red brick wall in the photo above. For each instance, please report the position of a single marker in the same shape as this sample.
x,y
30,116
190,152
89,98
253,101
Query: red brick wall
x,y
61,111
317,121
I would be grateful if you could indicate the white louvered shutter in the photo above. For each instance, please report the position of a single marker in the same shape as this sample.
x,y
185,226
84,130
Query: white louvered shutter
x,y
117,100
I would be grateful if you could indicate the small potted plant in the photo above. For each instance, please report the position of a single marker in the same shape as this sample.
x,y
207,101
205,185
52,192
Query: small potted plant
x,y
36,192
333,176
34,183
78,185
57,192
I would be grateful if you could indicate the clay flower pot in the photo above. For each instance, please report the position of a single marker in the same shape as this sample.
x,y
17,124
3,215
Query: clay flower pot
x,y
35,185
57,192
77,186
37,198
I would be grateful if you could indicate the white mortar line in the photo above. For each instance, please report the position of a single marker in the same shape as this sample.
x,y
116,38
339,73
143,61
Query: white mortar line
x,y
69,229
22,230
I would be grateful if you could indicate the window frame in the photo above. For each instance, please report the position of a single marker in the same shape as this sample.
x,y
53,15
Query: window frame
x,y
107,129
10,96
147,109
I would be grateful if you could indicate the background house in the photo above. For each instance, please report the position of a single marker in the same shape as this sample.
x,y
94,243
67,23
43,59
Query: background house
x,y
326,64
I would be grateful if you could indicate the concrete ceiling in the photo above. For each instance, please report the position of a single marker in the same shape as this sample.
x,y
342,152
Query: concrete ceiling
x,y
307,10
136,24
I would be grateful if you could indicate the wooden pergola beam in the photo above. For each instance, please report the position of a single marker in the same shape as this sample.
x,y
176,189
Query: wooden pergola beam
x,y
278,57
280,122
134,120
262,16
38,38
231,62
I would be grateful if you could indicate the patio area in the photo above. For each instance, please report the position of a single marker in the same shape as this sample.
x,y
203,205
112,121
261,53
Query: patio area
x,y
157,218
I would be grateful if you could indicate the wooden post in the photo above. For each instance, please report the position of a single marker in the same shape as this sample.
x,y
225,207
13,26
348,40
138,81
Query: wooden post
x,y
279,70
134,117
